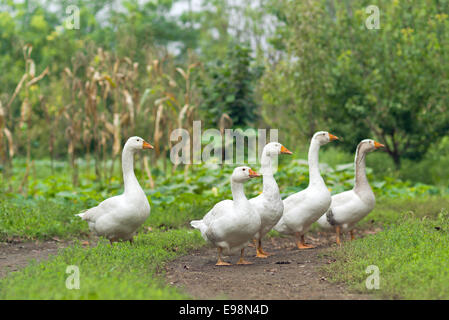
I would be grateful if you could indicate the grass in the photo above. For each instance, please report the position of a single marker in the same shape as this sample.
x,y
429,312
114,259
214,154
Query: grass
x,y
122,271
179,213
28,219
411,253
391,211
39,219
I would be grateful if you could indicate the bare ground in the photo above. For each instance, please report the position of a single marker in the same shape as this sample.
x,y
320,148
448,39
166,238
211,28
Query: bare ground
x,y
288,274
17,255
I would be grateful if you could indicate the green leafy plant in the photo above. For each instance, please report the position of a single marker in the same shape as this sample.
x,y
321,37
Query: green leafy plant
x,y
229,88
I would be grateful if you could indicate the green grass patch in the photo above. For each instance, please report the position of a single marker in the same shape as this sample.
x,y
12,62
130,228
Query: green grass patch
x,y
392,210
179,213
411,253
121,271
27,219
39,219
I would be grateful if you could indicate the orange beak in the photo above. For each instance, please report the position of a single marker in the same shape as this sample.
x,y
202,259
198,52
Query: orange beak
x,y
146,145
378,145
332,137
285,150
253,174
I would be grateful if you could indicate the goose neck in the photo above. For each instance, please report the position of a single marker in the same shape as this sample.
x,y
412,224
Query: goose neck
x,y
270,187
129,178
266,161
313,160
238,193
361,180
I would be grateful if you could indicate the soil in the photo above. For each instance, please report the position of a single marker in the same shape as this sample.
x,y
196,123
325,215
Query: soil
x,y
287,274
17,255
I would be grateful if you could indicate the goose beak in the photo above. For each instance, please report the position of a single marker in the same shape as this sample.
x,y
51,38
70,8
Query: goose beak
x,y
284,150
332,137
146,145
253,174
378,145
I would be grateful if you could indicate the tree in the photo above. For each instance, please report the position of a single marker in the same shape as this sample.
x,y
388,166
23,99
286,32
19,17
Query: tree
x,y
386,83
229,88
293,89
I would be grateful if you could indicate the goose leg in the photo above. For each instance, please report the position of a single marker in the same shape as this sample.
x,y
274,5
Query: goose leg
x,y
300,242
253,244
337,230
260,252
221,262
242,260
352,235
304,245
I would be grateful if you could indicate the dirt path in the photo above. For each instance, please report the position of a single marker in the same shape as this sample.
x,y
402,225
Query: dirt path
x,y
288,274
17,255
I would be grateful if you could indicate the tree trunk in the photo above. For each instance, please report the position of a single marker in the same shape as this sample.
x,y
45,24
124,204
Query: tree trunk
x,y
396,159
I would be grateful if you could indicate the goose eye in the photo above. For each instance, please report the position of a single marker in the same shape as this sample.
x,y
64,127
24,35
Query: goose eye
x,y
138,140
244,169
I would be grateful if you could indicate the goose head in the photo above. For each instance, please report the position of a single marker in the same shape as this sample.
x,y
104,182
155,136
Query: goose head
x,y
275,148
242,174
369,145
137,143
323,137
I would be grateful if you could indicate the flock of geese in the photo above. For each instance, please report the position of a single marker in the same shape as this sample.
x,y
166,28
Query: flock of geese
x,y
231,224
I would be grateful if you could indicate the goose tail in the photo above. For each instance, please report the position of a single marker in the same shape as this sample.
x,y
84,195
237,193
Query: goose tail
x,y
81,214
200,225
325,221
197,224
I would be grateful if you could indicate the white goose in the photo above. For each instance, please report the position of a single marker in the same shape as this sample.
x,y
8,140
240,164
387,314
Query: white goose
x,y
231,224
268,204
304,208
117,218
349,207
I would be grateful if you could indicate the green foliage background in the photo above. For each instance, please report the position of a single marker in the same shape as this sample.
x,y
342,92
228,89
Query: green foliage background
x,y
299,66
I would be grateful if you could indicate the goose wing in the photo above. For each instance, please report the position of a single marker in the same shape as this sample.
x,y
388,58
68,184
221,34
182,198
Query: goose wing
x,y
107,206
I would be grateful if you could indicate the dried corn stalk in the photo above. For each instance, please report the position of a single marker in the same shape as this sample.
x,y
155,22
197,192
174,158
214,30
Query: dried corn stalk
x,y
2,126
130,105
157,128
25,113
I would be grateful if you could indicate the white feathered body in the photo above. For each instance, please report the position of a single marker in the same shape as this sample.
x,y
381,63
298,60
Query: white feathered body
x,y
270,209
229,225
347,208
119,217
302,209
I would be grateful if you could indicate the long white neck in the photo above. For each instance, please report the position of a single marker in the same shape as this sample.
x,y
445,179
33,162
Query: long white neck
x,y
129,177
270,187
313,160
238,193
361,181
